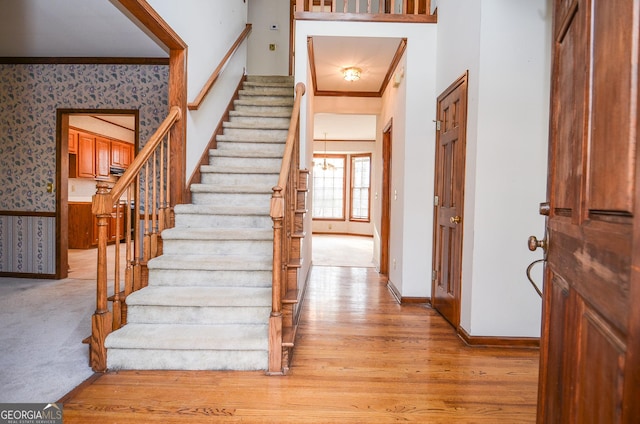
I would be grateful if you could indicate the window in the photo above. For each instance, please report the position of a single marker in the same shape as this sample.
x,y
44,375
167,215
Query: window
x,y
328,186
360,187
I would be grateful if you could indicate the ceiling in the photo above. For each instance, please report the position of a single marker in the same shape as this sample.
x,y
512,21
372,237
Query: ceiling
x,y
377,58
72,28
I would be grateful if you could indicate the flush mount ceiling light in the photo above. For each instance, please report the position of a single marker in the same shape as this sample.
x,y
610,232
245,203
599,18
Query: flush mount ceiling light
x,y
351,74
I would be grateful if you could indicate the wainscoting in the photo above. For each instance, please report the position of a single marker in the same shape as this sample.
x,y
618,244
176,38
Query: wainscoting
x,y
28,244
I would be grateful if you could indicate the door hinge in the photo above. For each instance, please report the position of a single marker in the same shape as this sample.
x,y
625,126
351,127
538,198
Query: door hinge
x,y
434,275
436,201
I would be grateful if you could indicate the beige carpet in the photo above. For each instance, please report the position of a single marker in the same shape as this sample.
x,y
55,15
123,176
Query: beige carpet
x,y
342,250
43,323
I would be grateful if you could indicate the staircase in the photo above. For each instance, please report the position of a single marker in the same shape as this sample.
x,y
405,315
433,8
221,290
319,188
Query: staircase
x,y
208,301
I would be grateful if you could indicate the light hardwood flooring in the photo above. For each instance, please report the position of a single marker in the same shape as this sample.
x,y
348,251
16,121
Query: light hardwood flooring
x,y
360,358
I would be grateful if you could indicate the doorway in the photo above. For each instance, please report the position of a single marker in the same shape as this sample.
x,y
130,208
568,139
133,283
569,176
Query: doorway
x,y
385,218
91,146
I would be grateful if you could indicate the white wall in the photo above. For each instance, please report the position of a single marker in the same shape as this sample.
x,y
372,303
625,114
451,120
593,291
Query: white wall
x,y
505,46
209,28
263,14
414,135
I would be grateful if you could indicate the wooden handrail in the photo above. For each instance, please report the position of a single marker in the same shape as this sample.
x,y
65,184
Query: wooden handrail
x,y
195,104
293,132
143,156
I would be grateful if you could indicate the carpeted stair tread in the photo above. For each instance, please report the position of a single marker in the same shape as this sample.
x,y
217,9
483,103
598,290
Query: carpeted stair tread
x,y
249,154
256,124
189,337
217,234
270,78
213,169
266,92
211,262
221,210
285,84
200,296
214,188
268,101
260,114
238,138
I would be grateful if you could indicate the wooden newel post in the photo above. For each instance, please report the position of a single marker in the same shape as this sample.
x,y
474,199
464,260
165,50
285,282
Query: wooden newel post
x,y
275,320
101,322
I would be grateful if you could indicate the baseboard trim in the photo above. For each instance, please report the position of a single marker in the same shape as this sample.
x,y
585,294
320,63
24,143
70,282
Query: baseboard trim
x,y
394,292
29,275
490,341
405,300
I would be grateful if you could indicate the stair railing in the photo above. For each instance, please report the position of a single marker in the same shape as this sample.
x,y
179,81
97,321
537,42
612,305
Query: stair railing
x,y
376,7
136,209
283,206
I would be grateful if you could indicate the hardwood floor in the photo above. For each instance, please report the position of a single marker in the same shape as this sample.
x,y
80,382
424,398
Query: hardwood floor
x,y
360,358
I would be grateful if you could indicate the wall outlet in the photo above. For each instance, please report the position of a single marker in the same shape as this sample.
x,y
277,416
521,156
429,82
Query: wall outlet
x,y
274,27
272,47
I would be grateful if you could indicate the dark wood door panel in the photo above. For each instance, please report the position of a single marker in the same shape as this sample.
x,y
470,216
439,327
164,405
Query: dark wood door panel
x,y
615,71
590,352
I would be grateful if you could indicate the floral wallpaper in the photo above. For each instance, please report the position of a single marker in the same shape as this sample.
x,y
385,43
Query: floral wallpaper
x,y
29,98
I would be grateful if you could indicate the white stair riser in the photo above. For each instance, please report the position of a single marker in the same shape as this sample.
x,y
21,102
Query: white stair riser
x,y
236,162
262,102
215,178
223,221
207,278
156,314
194,360
260,121
217,247
231,199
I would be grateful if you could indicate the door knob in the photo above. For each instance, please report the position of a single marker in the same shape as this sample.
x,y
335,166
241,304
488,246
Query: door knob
x,y
534,243
455,219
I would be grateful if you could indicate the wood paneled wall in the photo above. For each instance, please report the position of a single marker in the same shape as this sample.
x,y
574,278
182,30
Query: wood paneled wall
x,y
27,244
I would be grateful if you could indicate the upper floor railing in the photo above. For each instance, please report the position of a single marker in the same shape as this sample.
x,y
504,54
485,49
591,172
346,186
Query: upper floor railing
x,y
365,10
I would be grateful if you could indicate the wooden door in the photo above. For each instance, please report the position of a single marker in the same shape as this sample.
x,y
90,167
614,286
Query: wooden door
x,y
589,366
449,200
385,219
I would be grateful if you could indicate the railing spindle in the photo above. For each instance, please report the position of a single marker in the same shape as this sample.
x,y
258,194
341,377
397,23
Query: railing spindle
x,y
154,211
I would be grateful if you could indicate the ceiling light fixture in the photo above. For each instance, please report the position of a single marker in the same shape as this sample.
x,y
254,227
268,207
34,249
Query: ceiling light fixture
x,y
351,74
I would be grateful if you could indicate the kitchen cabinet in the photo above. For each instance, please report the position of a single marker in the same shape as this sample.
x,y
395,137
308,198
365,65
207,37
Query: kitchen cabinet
x,y
73,141
102,158
121,154
92,156
83,226
86,156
